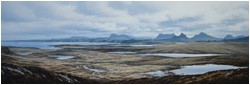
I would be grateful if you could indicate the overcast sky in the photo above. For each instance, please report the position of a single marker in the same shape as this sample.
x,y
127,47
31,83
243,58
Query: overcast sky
x,y
45,20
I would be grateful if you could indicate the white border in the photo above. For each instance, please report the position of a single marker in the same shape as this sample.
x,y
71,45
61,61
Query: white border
x,y
122,0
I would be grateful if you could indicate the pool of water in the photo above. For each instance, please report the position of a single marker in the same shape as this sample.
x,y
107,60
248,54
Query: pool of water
x,y
179,55
192,70
62,57
122,52
201,69
156,73
142,45
23,53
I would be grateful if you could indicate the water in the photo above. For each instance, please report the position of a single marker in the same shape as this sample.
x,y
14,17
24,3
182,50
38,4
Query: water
x,y
23,53
193,70
201,69
156,73
62,57
179,55
142,45
122,52
49,45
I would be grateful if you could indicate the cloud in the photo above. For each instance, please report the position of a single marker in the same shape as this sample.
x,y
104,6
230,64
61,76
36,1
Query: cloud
x,y
24,20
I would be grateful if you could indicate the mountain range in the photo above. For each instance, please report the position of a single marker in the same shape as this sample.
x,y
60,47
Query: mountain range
x,y
119,37
181,38
228,37
201,37
165,36
162,37
204,37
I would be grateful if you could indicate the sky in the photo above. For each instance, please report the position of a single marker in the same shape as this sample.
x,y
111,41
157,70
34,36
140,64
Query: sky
x,y
46,20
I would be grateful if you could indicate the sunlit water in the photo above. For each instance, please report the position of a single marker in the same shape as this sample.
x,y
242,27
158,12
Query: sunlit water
x,y
142,45
23,53
193,70
122,52
178,55
201,69
61,57
156,73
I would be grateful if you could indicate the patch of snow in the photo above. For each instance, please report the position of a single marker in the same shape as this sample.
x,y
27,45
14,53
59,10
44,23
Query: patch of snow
x,y
15,70
94,70
26,70
65,77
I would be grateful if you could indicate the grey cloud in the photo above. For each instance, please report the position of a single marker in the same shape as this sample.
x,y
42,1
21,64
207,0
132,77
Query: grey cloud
x,y
198,27
133,7
16,12
234,21
174,23
144,19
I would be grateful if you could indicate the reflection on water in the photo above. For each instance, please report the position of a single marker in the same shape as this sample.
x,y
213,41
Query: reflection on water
x,y
192,70
201,69
142,45
178,55
156,73
122,52
61,57
23,53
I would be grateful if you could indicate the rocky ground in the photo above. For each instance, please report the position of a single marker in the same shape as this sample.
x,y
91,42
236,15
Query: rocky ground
x,y
94,64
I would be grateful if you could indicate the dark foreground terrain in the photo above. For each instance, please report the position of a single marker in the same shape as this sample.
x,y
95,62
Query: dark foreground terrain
x,y
93,64
34,75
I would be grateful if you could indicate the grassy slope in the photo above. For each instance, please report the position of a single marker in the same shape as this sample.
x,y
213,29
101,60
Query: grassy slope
x,y
40,76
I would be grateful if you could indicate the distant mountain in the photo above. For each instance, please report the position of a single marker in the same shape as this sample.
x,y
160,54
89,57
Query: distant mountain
x,y
181,38
228,37
165,36
119,37
73,38
241,36
203,37
77,38
241,39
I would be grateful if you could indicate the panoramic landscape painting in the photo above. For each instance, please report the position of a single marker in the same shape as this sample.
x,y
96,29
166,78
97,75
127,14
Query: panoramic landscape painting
x,y
124,42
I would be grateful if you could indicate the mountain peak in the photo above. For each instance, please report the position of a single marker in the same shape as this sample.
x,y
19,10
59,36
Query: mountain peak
x,y
203,37
182,34
181,38
164,36
202,33
119,37
229,37
113,34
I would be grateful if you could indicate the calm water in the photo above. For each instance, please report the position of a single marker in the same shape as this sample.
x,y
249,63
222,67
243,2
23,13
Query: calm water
x,y
23,53
61,57
142,45
122,52
178,55
193,70
156,73
201,69
49,45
